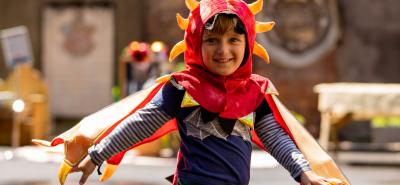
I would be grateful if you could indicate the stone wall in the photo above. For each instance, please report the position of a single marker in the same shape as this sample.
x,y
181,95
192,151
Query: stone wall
x,y
367,51
370,47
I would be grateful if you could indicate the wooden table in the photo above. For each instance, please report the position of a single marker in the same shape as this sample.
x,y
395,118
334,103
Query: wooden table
x,y
341,102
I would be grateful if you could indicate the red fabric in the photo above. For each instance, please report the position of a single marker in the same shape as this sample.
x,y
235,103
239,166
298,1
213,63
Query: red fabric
x,y
233,96
175,179
57,141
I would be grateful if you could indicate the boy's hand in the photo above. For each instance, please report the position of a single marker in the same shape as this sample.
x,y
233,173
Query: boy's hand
x,y
86,166
310,178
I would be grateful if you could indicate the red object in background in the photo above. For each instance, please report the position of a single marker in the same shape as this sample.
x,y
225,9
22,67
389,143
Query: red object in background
x,y
139,51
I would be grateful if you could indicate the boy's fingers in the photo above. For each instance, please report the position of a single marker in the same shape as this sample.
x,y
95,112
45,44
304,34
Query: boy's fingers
x,y
84,177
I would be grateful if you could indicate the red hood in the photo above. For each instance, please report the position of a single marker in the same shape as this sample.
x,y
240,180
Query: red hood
x,y
193,35
233,96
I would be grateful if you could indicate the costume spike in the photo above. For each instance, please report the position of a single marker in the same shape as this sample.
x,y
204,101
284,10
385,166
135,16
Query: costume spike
x,y
63,172
182,22
163,79
108,172
256,6
264,26
41,142
192,4
260,51
179,48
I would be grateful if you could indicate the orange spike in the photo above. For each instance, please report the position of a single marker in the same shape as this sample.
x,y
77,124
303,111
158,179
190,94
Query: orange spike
x,y
163,79
256,6
260,51
108,172
63,172
264,26
179,48
191,4
182,22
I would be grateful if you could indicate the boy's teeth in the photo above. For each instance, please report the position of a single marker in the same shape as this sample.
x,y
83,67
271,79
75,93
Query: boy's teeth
x,y
222,60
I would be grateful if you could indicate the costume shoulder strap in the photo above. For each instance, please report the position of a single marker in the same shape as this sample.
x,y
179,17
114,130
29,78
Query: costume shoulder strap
x,y
176,84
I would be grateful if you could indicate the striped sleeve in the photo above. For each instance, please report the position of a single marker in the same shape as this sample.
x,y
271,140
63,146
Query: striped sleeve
x,y
132,130
280,146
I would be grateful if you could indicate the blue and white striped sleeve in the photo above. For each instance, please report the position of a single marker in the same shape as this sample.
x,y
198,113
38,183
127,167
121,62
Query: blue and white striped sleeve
x,y
281,146
135,128
140,125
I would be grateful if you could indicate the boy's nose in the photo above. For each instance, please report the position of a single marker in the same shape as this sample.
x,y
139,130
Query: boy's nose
x,y
222,48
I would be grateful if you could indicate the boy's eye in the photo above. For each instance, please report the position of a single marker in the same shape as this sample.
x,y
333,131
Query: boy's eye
x,y
235,40
210,41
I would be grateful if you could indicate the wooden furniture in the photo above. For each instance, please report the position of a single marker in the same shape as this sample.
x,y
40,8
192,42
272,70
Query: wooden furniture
x,y
341,102
24,83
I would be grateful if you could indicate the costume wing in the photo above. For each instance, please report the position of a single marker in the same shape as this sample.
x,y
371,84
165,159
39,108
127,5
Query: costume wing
x,y
93,128
321,163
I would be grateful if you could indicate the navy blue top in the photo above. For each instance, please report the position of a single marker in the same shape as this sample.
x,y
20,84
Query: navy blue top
x,y
209,161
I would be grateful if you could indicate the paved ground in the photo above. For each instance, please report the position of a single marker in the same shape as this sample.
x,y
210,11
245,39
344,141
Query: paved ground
x,y
27,166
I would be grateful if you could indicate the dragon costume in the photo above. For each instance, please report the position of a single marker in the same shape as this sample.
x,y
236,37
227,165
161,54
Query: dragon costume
x,y
232,97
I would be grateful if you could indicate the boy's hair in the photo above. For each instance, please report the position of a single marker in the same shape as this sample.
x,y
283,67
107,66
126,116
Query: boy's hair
x,y
222,23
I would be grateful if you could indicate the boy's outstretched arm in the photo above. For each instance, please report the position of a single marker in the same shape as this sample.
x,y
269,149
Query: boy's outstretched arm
x,y
280,146
140,125
283,149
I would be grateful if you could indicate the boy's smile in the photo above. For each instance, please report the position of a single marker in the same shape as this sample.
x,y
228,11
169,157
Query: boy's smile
x,y
223,54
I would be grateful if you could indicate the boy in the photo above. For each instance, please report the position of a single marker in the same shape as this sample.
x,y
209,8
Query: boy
x,y
218,105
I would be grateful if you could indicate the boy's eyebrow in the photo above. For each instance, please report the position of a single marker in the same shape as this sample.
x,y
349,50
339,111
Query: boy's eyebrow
x,y
236,34
212,34
209,34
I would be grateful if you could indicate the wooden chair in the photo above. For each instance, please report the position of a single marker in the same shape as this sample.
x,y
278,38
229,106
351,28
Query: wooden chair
x,y
25,83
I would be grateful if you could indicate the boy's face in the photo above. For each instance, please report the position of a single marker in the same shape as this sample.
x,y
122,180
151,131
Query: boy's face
x,y
223,54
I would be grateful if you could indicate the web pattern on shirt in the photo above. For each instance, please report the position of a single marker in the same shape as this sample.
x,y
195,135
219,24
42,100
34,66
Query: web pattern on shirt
x,y
196,127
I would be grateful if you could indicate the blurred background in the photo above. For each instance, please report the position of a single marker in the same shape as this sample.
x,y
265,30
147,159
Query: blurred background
x,y
335,63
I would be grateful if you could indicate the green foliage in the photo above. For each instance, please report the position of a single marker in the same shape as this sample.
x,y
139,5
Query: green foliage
x,y
382,122
116,93
299,117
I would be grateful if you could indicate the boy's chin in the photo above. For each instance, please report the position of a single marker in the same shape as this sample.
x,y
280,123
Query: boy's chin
x,y
222,74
